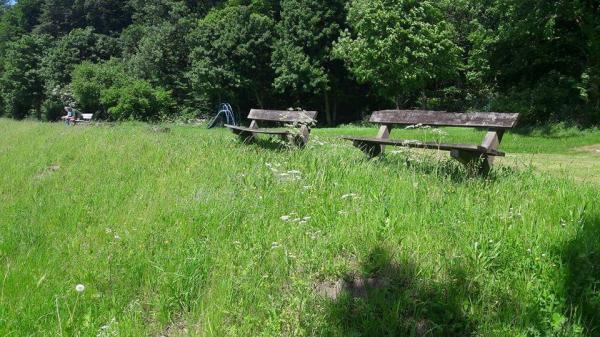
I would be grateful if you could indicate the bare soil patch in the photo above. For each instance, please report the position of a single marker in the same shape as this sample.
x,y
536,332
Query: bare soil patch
x,y
590,149
357,287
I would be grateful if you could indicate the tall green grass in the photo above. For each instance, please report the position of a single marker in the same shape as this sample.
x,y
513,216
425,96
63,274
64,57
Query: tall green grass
x,y
189,232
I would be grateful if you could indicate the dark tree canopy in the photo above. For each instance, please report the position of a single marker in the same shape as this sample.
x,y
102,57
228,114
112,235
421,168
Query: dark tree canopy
x,y
341,57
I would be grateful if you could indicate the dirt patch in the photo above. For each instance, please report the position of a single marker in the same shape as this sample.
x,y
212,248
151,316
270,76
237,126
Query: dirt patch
x,y
47,171
175,329
357,287
590,149
160,129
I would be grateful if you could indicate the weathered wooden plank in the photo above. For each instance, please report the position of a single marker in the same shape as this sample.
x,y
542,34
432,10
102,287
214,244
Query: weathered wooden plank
x,y
491,141
261,131
427,145
283,116
493,120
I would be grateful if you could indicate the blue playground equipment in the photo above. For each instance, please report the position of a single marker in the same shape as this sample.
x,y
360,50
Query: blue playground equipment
x,y
224,115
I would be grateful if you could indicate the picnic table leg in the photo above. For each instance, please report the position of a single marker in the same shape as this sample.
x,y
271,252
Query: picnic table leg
x,y
472,160
300,139
492,141
384,133
370,150
374,150
248,137
482,162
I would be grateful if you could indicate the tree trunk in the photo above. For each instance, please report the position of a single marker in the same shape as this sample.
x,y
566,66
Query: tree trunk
x,y
335,108
328,110
258,100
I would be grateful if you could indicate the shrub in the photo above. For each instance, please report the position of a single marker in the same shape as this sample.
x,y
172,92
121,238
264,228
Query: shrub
x,y
90,79
52,109
136,100
109,91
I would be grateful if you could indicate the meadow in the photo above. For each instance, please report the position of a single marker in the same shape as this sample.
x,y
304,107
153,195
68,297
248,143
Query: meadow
x,y
176,230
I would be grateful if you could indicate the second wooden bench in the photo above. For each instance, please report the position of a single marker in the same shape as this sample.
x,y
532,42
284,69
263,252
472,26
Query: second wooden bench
x,y
482,155
297,133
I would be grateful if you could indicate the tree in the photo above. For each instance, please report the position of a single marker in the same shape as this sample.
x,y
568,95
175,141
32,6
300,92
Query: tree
x,y
18,20
302,57
543,56
150,12
231,55
159,54
90,79
108,90
21,82
399,46
77,46
59,17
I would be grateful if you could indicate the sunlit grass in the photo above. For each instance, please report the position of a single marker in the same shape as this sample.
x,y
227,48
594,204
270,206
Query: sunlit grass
x,y
188,232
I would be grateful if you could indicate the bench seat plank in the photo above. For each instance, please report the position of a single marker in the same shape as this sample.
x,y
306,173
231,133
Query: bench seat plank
x,y
261,131
427,145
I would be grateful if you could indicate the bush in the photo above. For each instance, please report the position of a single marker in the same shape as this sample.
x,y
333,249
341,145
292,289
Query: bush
x,y
109,91
136,100
90,79
52,109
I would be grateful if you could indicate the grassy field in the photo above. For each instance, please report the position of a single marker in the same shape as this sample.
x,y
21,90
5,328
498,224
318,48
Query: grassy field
x,y
183,231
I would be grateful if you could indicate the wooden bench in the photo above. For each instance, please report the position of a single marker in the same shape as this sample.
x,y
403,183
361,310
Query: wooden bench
x,y
298,134
77,117
469,154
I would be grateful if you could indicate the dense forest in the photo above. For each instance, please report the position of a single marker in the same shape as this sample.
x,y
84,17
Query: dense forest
x,y
171,59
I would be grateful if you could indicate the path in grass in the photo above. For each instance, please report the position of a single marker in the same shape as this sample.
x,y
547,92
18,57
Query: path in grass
x,y
182,230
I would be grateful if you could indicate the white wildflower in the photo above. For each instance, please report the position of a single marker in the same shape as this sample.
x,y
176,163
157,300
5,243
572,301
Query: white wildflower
x,y
439,132
349,195
285,218
79,288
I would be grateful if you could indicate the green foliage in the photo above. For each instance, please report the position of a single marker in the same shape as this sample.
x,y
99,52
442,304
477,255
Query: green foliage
x,y
342,58
302,58
72,49
542,56
159,54
90,79
399,46
18,20
136,100
231,55
108,90
59,17
149,12
21,82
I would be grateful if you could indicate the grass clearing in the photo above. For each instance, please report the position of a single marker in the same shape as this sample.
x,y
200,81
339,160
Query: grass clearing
x,y
188,232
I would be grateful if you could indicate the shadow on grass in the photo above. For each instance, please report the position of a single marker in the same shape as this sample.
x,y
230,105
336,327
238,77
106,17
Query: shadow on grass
x,y
391,299
553,131
582,283
270,143
447,168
